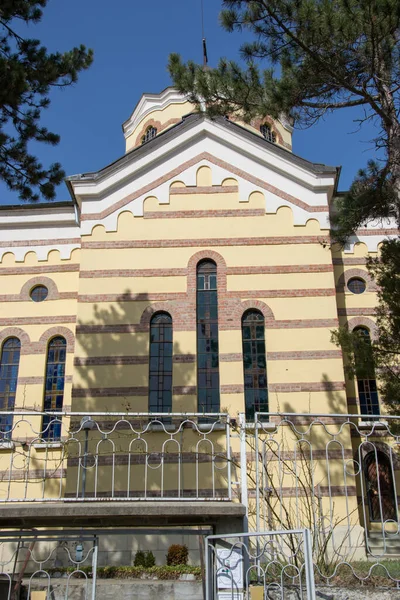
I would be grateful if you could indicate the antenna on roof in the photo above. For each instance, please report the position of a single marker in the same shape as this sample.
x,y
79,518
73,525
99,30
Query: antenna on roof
x,y
205,57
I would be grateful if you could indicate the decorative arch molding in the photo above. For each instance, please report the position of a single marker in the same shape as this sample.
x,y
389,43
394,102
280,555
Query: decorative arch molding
x,y
363,322
204,255
157,124
256,305
256,123
53,332
368,447
53,294
152,309
17,333
362,274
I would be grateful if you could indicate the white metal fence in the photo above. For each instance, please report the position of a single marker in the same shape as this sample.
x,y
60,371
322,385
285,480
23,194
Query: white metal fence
x,y
32,562
337,475
119,456
278,564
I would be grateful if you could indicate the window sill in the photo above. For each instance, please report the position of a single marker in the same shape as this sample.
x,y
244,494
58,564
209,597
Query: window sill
x,y
162,427
6,445
209,427
381,424
45,445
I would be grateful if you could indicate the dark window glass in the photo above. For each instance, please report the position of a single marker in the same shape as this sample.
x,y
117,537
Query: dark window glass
x,y
160,375
39,293
54,387
268,133
207,338
356,285
254,363
151,133
366,380
8,382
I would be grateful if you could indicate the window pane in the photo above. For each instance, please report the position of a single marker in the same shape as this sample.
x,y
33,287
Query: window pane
x,y
160,375
208,394
9,365
254,363
54,390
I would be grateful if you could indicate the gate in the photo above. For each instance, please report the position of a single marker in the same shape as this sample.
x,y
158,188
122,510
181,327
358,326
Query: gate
x,y
36,562
257,566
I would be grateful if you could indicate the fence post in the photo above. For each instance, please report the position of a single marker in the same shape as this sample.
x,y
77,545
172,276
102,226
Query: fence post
x,y
94,565
308,565
243,470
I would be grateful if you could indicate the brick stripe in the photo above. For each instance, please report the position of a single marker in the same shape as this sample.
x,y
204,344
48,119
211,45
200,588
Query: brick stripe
x,y
304,355
109,392
202,189
353,312
289,387
52,242
143,297
40,270
133,273
38,320
193,243
349,261
179,272
39,380
369,232
126,360
190,163
205,214
136,328
23,298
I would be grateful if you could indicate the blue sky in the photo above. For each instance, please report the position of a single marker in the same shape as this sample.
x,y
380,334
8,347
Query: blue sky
x,y
131,42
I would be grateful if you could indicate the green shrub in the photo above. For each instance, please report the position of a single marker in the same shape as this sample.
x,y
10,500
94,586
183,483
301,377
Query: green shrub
x,y
177,555
149,560
140,559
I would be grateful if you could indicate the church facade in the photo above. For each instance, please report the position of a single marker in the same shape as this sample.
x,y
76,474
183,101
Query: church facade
x,y
193,281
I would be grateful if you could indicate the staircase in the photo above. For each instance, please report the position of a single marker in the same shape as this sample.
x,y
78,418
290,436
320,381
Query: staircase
x,y
389,546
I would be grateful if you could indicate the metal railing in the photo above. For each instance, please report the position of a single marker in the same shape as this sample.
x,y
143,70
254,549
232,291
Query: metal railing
x,y
78,456
336,474
276,563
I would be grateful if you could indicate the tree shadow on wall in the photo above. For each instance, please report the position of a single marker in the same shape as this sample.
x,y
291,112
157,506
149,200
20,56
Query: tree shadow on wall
x,y
136,456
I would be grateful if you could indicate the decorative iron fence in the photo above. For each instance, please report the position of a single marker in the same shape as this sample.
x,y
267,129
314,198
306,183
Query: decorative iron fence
x,y
49,457
274,564
337,475
32,562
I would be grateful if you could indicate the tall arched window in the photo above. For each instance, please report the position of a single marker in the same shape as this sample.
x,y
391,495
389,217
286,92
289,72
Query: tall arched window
x,y
160,376
381,497
254,363
365,371
54,390
207,338
9,365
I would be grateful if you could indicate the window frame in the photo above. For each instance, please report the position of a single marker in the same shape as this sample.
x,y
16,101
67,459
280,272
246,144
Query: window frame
x,y
51,426
163,358
255,373
10,391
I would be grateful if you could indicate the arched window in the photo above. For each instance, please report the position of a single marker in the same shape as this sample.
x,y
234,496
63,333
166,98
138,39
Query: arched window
x,y
267,133
254,363
160,376
9,365
382,503
54,390
207,338
365,371
150,133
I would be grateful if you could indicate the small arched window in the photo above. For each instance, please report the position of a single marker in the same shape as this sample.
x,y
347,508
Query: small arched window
x,y
365,371
267,133
208,399
9,366
254,363
54,388
160,375
149,134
